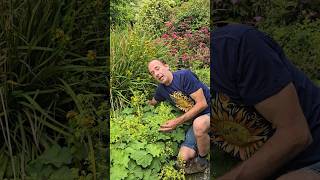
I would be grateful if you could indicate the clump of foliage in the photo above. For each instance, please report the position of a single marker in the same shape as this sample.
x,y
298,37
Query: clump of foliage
x,y
196,12
293,24
300,42
277,12
138,149
122,12
152,15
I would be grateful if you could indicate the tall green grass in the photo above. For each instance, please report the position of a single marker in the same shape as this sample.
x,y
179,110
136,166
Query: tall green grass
x,y
130,52
45,47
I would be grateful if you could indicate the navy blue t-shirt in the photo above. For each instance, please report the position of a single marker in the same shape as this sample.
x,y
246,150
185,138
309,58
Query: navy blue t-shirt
x,y
248,67
178,92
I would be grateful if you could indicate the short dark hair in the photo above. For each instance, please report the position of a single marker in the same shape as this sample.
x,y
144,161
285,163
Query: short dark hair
x,y
160,60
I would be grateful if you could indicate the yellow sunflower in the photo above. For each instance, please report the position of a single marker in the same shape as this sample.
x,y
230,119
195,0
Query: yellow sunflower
x,y
182,101
237,129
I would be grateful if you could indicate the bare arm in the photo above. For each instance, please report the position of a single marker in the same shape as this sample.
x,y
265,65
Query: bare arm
x,y
291,137
200,105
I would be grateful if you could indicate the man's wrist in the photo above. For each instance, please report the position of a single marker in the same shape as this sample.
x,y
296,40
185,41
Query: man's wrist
x,y
180,120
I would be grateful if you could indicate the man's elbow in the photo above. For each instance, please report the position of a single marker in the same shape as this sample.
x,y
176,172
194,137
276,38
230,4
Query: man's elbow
x,y
204,105
308,139
304,140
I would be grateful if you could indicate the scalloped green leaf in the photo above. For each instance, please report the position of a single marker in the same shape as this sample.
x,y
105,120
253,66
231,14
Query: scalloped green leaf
x,y
142,158
119,157
155,149
118,172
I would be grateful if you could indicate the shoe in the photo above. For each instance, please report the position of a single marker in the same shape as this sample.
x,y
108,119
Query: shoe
x,y
196,165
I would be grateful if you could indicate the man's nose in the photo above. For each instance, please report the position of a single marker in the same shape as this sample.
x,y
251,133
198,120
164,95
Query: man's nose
x,y
157,74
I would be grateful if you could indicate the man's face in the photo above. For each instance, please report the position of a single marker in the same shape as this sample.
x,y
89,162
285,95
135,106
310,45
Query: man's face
x,y
160,72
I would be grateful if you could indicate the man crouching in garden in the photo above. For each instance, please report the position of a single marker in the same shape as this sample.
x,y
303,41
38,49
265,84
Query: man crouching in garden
x,y
183,89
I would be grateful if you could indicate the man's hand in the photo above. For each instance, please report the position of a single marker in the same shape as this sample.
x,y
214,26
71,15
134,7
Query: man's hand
x,y
152,102
169,125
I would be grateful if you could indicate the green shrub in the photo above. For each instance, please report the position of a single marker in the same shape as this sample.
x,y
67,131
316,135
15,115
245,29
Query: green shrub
x,y
293,24
203,75
194,12
153,14
276,12
301,43
122,12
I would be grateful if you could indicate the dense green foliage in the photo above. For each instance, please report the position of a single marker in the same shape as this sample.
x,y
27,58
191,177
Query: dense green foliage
x,y
300,42
293,24
195,11
53,66
153,14
138,149
122,12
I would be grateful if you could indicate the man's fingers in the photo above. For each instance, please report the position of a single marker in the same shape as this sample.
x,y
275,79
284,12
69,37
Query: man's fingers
x,y
166,125
165,129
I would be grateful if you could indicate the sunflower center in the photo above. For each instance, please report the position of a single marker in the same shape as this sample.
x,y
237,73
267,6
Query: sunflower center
x,y
234,133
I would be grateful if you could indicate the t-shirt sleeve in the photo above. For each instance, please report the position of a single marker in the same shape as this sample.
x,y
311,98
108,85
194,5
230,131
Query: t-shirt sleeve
x,y
261,71
190,82
157,95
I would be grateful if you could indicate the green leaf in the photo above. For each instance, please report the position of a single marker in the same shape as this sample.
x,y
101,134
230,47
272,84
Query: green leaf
x,y
118,172
63,174
155,165
147,109
155,149
130,150
137,145
148,175
138,172
132,165
57,156
127,111
142,158
163,136
120,157
178,135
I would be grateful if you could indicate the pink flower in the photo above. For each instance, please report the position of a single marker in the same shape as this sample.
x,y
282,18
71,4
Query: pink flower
x,y
173,51
202,45
204,30
165,36
174,35
168,24
184,57
188,35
